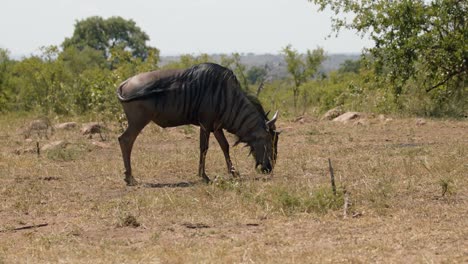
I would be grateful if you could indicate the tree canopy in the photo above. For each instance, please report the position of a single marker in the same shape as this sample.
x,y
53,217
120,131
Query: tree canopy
x,y
302,68
107,34
414,39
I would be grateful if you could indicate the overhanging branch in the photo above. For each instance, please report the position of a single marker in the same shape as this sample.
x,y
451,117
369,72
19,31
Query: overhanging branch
x,y
446,79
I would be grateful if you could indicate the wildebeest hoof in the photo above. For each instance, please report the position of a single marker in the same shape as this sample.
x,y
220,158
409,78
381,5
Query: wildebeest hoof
x,y
131,182
234,173
205,179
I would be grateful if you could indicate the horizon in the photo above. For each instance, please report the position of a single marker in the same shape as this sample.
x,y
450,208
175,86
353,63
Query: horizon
x,y
21,56
182,26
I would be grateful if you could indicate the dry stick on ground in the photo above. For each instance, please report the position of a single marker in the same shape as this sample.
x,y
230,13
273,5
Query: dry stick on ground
x,y
345,192
25,227
102,138
332,176
38,149
346,204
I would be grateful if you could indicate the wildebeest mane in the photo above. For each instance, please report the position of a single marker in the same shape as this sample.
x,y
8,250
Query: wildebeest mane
x,y
254,100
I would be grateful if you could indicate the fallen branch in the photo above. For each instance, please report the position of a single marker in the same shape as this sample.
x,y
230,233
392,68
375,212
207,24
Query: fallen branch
x,y
24,227
196,225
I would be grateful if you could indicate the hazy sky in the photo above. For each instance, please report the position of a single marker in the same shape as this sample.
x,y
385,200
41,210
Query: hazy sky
x,y
180,26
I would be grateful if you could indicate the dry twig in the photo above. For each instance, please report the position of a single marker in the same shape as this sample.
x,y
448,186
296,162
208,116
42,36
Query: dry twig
x,y
332,176
346,204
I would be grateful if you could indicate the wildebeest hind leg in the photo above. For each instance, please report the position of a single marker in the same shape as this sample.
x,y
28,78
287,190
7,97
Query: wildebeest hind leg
x,y
223,143
204,142
126,141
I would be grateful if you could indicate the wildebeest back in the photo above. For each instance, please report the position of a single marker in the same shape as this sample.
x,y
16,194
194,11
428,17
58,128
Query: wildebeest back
x,y
144,84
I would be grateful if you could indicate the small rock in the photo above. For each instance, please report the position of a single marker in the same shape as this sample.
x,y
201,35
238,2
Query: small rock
x,y
347,117
91,128
39,124
300,120
66,125
55,145
420,122
129,221
332,113
100,144
361,122
29,150
357,214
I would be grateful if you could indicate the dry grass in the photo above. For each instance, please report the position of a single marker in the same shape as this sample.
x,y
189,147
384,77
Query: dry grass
x,y
407,185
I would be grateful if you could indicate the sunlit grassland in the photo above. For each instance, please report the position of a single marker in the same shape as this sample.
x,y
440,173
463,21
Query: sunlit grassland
x,y
405,185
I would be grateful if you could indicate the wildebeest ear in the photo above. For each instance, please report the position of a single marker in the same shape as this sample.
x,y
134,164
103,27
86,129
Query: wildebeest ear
x,y
266,115
273,120
278,131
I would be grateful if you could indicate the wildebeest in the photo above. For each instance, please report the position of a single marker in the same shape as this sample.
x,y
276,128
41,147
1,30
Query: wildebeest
x,y
206,95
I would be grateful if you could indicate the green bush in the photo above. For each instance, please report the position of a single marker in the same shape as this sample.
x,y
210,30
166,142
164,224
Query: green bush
x,y
290,200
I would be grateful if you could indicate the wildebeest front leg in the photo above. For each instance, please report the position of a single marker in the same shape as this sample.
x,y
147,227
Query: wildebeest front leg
x,y
204,142
223,143
126,141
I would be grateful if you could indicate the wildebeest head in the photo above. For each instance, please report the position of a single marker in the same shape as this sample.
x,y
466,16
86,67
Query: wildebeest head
x,y
265,147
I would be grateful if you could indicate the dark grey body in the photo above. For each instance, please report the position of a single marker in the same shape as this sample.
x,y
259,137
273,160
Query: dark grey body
x,y
206,95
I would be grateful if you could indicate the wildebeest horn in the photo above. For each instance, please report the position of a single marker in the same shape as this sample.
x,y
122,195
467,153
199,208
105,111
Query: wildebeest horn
x,y
273,119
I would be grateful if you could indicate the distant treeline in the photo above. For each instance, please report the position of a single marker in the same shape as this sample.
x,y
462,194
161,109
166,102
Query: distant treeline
x,y
276,63
80,76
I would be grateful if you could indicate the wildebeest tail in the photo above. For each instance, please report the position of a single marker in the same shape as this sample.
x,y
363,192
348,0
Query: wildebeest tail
x,y
125,95
119,91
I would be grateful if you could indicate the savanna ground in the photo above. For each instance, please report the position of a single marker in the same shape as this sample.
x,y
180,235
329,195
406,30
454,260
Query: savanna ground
x,y
406,187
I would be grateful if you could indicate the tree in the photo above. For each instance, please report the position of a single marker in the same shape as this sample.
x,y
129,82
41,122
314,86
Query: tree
x,y
302,68
296,67
5,67
107,34
350,66
419,40
256,74
188,60
234,63
37,83
79,60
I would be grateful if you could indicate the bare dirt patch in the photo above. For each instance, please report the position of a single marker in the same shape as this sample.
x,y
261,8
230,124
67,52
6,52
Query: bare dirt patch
x,y
407,185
